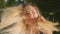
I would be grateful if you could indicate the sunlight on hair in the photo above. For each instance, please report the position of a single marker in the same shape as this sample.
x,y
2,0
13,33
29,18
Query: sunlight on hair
x,y
24,23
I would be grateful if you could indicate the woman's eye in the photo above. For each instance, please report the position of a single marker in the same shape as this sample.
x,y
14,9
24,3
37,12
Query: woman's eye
x,y
26,13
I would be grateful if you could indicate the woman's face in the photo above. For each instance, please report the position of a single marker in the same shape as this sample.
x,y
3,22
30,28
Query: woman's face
x,y
30,12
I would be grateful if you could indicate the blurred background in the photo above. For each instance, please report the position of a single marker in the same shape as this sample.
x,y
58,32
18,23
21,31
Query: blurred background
x,y
50,9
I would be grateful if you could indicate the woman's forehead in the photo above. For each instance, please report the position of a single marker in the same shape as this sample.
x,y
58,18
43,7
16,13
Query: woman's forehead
x,y
29,8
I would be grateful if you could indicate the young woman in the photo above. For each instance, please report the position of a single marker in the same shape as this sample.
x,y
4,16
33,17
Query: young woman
x,y
25,20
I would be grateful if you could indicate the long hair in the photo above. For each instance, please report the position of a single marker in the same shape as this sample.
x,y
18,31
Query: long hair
x,y
14,16
42,25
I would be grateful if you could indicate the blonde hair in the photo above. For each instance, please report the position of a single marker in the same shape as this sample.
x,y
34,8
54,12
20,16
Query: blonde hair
x,y
43,25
